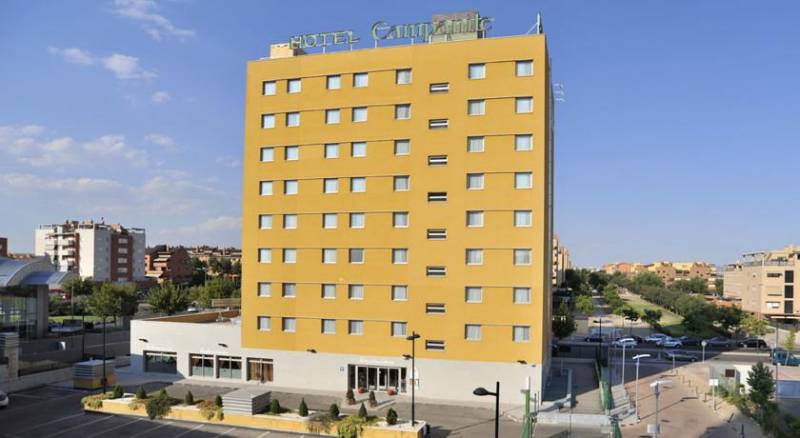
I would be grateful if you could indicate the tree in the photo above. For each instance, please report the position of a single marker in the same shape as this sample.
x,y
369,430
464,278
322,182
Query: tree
x,y
333,411
754,326
78,287
647,279
598,280
719,287
303,409
188,399
651,317
112,300
275,407
631,315
141,394
362,411
216,288
218,401
577,280
391,417
563,322
199,271
762,386
790,341
168,298
584,305
732,317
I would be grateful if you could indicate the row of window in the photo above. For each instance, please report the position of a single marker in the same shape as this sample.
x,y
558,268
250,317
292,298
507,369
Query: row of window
x,y
358,149
402,77
402,111
474,256
400,219
472,294
355,327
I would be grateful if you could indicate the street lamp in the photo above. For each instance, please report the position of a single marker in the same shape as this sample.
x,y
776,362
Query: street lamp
x,y
413,337
704,343
481,392
657,391
636,358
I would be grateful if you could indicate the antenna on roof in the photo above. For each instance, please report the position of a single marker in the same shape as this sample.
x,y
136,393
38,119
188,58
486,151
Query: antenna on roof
x,y
538,26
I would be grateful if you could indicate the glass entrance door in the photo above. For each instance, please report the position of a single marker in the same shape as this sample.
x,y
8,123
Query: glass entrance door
x,y
376,378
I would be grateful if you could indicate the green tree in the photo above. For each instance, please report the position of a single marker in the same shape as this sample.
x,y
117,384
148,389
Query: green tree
x,y
168,298
719,287
647,279
199,271
112,300
584,305
78,287
362,411
577,280
752,325
652,317
762,386
563,322
598,280
391,417
216,288
729,318
631,315
303,409
790,341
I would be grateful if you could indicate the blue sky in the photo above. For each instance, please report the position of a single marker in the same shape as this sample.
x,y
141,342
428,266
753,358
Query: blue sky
x,y
678,138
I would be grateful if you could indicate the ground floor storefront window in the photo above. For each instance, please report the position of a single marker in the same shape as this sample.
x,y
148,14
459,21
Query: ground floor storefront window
x,y
201,365
160,362
376,378
229,367
259,370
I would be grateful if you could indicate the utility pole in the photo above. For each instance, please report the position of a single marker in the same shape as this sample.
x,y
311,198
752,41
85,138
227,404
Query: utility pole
x,y
637,358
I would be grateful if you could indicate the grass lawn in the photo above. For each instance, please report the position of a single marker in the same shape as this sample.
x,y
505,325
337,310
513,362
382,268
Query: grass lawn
x,y
88,318
670,321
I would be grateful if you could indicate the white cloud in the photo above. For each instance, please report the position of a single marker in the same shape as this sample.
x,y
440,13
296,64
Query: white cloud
x,y
126,67
115,145
26,182
73,55
160,97
166,142
229,162
218,230
154,24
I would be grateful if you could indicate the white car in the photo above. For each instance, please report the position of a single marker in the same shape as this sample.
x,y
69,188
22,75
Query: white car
x,y
655,338
3,399
626,342
670,343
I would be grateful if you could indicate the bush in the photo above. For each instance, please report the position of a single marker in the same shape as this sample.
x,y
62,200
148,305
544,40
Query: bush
x,y
333,411
350,397
117,392
94,401
391,417
362,411
303,409
208,409
275,407
218,401
140,393
372,400
163,393
159,406
351,427
188,399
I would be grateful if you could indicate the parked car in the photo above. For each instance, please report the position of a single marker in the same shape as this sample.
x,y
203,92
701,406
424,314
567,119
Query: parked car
x,y
669,343
593,338
785,358
680,355
3,399
627,342
753,343
654,338
689,341
718,342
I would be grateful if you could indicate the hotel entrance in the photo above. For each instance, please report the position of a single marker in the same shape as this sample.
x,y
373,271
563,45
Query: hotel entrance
x,y
376,378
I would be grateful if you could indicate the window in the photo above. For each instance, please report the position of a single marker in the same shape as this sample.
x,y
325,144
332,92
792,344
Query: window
x,y
290,187
402,147
356,255
477,71
474,256
522,333
267,154
289,255
293,86
474,181
360,114
399,328
267,121
400,219
523,218
334,82
201,365
329,220
293,119
332,116
525,68
434,345
259,370
773,305
434,308
788,276
355,327
360,80
523,180
229,367
473,294
268,88
788,291
435,271
328,291
474,218
401,183
437,196
355,291
440,87
329,256
437,160
263,323
472,332
522,295
289,221
264,255
264,289
400,256
332,150
291,153
523,142
437,234
358,184
358,149
437,123
265,221
524,104
475,144
288,290
402,111
522,256
330,185
399,293
160,362
403,76
357,220
289,324
329,326
476,107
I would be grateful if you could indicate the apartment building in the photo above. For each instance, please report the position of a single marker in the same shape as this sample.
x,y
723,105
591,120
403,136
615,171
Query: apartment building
x,y
561,262
205,253
669,272
102,252
3,247
164,263
764,282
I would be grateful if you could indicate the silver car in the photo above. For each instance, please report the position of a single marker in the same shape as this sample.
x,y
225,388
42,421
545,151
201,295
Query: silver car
x,y
3,399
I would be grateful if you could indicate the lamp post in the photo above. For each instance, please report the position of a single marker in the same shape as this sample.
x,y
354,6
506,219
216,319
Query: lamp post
x,y
623,365
703,344
636,358
414,336
657,391
480,392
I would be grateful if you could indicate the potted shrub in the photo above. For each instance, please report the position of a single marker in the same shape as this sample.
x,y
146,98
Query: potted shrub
x,y
372,400
362,411
351,399
188,399
303,409
141,394
391,417
275,407
333,411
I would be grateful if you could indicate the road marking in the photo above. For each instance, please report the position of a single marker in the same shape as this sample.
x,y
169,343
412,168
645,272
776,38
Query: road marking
x,y
79,426
55,421
150,430
190,430
114,428
264,434
226,432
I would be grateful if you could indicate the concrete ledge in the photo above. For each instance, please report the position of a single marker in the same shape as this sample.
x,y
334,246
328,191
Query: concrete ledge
x,y
37,379
592,420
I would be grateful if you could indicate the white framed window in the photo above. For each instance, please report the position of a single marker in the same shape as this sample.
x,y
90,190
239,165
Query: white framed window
x,y
264,255
473,294
522,256
330,185
474,256
329,256
476,71
264,289
290,187
522,333
472,332
329,291
525,67
291,153
358,184
360,80
293,86
357,220
474,181
289,255
329,220
399,293
265,221
265,188
402,111
523,180
399,328
355,291
360,114
267,154
358,149
267,121
289,221
356,255
523,104
522,295
403,76
400,219
474,218
400,256
355,327
523,218
332,150
289,325
264,323
401,183
268,88
332,116
475,144
329,326
293,119
334,82
476,107
402,147
289,290
523,142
